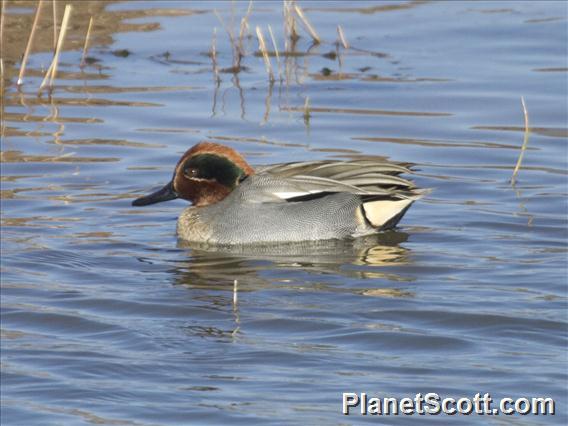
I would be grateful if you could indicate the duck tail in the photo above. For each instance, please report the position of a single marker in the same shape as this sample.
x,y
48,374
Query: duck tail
x,y
385,214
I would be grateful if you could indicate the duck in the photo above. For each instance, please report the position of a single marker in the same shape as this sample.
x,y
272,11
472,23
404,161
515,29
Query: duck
x,y
234,204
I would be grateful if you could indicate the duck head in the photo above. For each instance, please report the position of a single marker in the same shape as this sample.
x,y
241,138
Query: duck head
x,y
204,175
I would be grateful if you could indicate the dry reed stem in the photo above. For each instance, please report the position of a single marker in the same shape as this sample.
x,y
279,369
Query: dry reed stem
x,y
275,51
2,125
234,45
240,44
30,41
227,29
342,37
214,55
294,35
2,14
285,25
235,292
50,74
285,19
86,46
525,142
54,10
313,34
290,22
244,26
239,49
262,47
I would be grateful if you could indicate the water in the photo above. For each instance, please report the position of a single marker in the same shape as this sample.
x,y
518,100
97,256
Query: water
x,y
106,319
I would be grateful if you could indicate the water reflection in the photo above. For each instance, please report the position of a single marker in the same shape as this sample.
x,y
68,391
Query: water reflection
x,y
216,276
363,258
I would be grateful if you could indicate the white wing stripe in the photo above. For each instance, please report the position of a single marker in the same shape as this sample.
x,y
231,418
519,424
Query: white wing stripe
x,y
288,195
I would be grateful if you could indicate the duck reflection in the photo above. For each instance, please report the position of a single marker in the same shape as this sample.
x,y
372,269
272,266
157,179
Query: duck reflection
x,y
362,258
220,276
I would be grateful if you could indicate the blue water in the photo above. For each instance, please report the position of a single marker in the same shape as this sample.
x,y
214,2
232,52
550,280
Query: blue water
x,y
107,319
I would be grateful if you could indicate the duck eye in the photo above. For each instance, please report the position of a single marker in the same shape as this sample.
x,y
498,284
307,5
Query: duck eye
x,y
191,172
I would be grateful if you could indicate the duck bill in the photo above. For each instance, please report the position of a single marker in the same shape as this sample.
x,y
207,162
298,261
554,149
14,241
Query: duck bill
x,y
167,193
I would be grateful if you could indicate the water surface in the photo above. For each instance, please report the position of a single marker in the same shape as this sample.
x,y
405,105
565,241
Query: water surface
x,y
106,319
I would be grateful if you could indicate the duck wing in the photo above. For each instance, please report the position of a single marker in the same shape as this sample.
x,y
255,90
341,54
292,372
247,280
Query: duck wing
x,y
369,178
